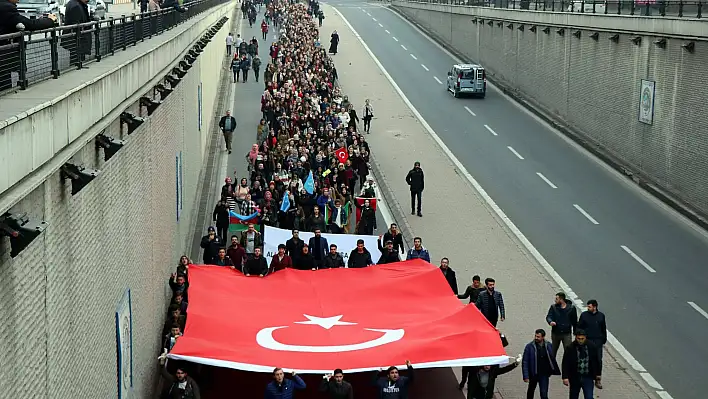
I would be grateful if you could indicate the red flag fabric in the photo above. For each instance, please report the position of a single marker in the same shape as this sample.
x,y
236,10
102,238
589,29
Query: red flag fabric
x,y
342,155
308,321
360,203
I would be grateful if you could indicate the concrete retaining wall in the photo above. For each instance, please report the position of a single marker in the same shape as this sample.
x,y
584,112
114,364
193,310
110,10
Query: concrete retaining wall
x,y
125,229
592,87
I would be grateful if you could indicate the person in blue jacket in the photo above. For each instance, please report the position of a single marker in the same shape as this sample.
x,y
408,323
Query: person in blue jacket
x,y
393,385
283,388
538,364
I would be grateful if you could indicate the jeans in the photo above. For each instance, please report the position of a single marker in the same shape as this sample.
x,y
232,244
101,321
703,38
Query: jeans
x,y
542,382
222,232
367,124
586,384
466,370
557,339
414,195
245,75
237,73
256,72
228,49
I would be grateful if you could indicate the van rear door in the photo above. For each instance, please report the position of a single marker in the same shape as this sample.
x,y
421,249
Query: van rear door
x,y
481,80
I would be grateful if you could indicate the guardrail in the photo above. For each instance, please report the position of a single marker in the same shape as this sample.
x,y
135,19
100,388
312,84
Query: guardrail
x,y
27,58
654,8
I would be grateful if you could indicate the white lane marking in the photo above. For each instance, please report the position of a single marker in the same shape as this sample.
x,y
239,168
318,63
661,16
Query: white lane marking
x,y
425,67
386,30
367,13
638,259
359,8
513,151
414,57
698,309
587,215
473,114
562,284
664,395
544,178
490,129
374,19
404,47
380,26
437,80
651,381
394,38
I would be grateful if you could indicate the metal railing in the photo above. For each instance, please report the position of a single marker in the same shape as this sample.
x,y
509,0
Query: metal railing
x,y
653,8
27,58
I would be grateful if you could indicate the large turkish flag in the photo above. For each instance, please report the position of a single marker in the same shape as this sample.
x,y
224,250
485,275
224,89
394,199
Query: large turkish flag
x,y
316,321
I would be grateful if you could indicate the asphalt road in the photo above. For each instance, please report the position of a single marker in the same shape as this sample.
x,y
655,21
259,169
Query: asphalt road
x,y
605,237
246,110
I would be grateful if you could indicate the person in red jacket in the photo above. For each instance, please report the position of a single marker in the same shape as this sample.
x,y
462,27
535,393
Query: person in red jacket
x,y
264,29
280,261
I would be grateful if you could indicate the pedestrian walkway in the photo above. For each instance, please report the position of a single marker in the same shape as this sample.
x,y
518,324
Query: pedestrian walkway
x,y
457,222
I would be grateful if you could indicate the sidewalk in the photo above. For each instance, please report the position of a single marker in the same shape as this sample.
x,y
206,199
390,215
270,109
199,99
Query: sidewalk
x,y
457,223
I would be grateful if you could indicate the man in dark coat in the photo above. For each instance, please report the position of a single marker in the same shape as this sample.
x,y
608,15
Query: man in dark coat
x,y
334,43
483,379
211,244
416,182
77,12
388,254
335,387
333,260
581,366
539,364
12,21
449,274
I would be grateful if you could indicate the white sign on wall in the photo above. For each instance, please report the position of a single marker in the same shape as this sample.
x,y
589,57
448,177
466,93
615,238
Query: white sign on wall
x,y
646,102
124,342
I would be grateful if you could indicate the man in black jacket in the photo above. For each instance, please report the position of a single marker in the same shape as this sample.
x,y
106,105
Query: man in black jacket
x,y
335,387
227,124
449,274
333,260
12,21
79,47
416,181
563,319
394,235
360,256
211,244
388,254
581,366
592,321
221,218
483,379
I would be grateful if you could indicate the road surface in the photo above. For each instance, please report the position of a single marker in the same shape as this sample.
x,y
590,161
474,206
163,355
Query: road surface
x,y
606,238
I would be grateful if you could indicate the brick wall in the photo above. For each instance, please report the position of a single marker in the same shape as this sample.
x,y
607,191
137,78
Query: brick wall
x,y
592,86
58,297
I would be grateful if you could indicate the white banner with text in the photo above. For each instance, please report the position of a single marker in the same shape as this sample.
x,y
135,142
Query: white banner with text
x,y
345,243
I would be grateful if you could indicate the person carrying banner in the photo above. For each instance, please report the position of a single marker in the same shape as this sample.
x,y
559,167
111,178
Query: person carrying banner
x,y
388,254
335,387
393,385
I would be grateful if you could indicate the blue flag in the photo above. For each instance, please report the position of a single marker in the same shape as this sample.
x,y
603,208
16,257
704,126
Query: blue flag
x,y
286,202
310,184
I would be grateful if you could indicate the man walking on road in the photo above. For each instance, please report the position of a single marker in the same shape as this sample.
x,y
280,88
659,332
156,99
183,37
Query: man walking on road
x,y
538,364
581,366
592,321
491,303
229,43
228,125
563,319
472,291
416,181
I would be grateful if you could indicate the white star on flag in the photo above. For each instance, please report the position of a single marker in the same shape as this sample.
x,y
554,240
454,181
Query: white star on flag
x,y
325,322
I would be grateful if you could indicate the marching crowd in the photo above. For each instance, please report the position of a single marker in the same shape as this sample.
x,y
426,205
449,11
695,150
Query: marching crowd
x,y
305,172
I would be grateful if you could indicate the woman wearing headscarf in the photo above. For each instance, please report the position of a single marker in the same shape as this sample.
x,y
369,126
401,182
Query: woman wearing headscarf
x,y
334,43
